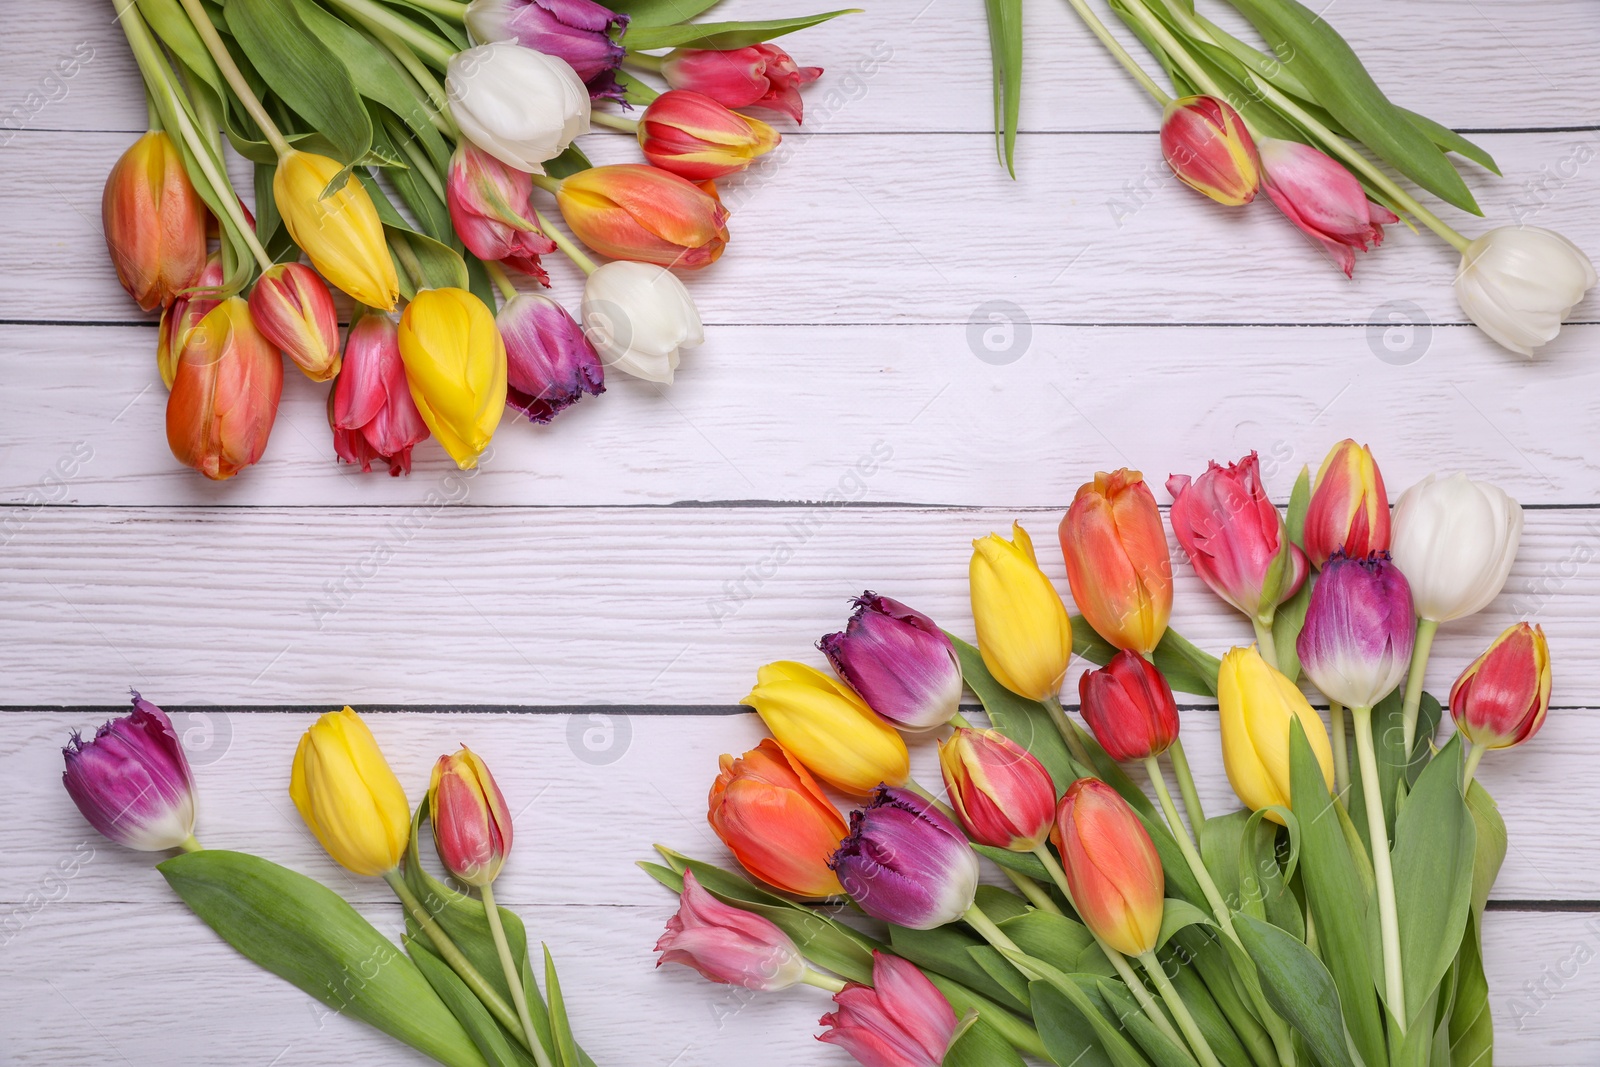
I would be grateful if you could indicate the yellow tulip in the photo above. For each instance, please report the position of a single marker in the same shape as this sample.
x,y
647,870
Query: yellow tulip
x,y
456,366
1257,703
1024,633
347,794
828,728
340,233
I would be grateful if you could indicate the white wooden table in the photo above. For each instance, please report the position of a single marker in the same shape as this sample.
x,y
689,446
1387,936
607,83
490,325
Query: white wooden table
x,y
588,610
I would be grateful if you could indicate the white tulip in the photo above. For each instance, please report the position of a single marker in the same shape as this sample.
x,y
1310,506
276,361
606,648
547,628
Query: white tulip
x,y
1519,284
520,106
1454,540
637,316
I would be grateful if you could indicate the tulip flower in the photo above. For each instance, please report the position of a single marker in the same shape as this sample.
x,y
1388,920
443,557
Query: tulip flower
x,y
1112,868
1349,509
345,791
582,32
1255,704
339,233
774,818
455,365
489,209
697,138
1501,699
758,75
132,781
906,863
1455,539
830,729
1357,638
1206,144
1129,707
1024,633
370,409
728,944
1323,199
639,317
293,309
1117,560
1519,284
550,364
1000,791
224,393
471,824
521,106
184,314
899,661
901,1020
154,222
632,211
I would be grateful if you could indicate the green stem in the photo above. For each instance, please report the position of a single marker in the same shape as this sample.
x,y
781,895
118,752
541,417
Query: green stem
x,y
1033,891
1266,644
1341,749
519,996
1180,1010
450,9
368,13
192,843
991,933
563,242
1069,732
1388,912
822,981
1118,52
643,60
1426,628
501,279
232,75
1191,796
960,721
1474,754
616,122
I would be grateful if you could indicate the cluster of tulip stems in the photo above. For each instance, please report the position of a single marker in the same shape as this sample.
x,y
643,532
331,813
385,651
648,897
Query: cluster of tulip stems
x,y
351,110
1335,920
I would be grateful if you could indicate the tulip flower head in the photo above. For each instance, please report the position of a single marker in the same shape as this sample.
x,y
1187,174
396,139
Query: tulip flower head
x,y
581,32
906,863
774,818
132,781
1323,199
224,393
758,75
455,364
154,222
521,106
340,233
1455,540
639,318
633,211
1117,560
1359,630
1349,509
697,138
1501,699
1519,284
471,823
1256,704
901,1020
370,409
827,727
1129,706
348,796
728,944
550,364
1111,865
1206,144
293,309
184,314
1000,791
489,208
1024,633
899,661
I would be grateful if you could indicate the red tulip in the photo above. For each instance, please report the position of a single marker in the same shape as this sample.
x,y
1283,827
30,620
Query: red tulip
x,y
371,410
292,307
1001,792
1117,560
1501,699
1349,508
697,138
901,1020
471,823
1207,146
490,210
1129,706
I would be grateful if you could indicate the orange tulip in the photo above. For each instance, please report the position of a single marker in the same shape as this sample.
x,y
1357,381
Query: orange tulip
x,y
224,394
184,313
771,813
154,222
633,211
1117,560
1111,865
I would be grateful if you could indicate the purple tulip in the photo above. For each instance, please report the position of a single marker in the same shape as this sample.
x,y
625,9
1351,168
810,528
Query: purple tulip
x,y
132,781
906,863
582,32
900,662
1359,629
550,364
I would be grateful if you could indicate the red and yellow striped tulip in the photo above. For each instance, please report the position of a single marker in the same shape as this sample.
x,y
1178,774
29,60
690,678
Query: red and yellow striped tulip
x,y
1349,508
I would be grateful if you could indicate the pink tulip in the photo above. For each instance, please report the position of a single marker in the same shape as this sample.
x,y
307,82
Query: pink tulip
x,y
901,1020
728,944
1322,198
293,309
371,409
759,75
489,209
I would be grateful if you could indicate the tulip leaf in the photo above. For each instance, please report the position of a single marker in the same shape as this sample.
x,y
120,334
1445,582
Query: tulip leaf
x,y
1002,971
1297,985
490,1037
1203,951
660,12
420,261
723,35
1161,1049
1177,914
1022,862
1208,1014
947,950
981,1046
1007,1024
1451,141
566,1047
1058,939
1490,850
1024,721
567,163
1187,668
1005,54
1471,1028
1075,1028
634,91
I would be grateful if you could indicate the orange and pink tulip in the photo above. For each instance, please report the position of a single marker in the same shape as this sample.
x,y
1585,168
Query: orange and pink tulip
x,y
773,816
154,222
643,213
224,393
1117,560
1111,865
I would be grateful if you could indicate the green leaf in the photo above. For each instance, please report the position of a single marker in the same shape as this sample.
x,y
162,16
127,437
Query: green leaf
x,y
1208,1015
1490,849
1063,941
982,1046
1202,951
1187,669
1298,986
566,1047
490,1037
1076,1031
567,163
1471,1031
1002,971
1451,141
420,261
660,12
1005,54
634,91
1160,1048
1024,721
1177,914
1007,1024
1021,862
947,950
723,35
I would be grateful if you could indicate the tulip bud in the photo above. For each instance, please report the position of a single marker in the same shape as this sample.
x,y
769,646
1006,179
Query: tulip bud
x,y
582,32
1359,630
776,821
132,781
632,211
758,75
370,408
224,394
550,364
1349,508
1129,706
901,1020
1519,284
521,106
471,824
1455,540
1001,792
728,944
488,204
184,314
154,221
1501,699
1207,146
340,233
906,863
899,661
639,316
1255,704
1323,199
1112,867
344,790
827,727
1235,537
456,367
1024,633
697,138
1117,560
293,309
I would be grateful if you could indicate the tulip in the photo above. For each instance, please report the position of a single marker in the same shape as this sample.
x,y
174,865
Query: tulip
x,y
1519,284
906,863
184,314
550,364
471,824
370,409
488,203
1024,634
899,661
1111,865
340,233
1455,540
728,944
1255,704
1323,199
1129,706
758,75
830,729
901,1020
344,790
521,106
1206,144
639,316
154,222
582,32
455,365
293,309
1349,509
632,211
132,781
1117,560
224,393
697,138
1359,628
1000,791
776,821
1500,700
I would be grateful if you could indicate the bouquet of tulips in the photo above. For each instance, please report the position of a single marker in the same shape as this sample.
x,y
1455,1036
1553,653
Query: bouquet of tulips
x,y
397,145
463,990
1335,920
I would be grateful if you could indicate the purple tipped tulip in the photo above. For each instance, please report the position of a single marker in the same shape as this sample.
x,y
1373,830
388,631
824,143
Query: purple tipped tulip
x,y
900,662
582,32
1359,629
550,364
906,863
132,781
